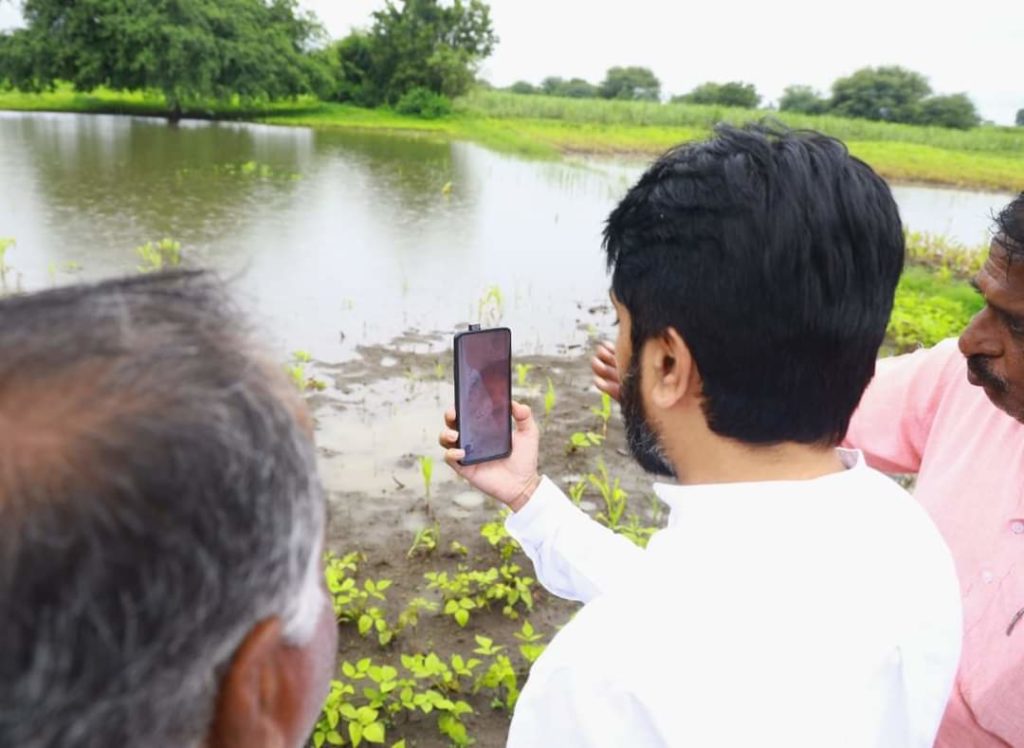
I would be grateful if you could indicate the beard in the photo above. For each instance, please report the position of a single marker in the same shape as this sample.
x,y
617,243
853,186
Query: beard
x,y
640,436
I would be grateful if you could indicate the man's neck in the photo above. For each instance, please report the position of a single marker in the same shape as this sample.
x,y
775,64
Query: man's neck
x,y
718,460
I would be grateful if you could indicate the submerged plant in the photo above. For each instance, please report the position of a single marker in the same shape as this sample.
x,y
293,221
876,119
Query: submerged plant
x,y
491,306
158,256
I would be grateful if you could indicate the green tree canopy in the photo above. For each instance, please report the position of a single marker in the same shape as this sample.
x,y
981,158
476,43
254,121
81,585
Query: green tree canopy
x,y
188,49
802,99
733,93
416,44
574,88
953,110
523,87
884,93
1020,118
630,83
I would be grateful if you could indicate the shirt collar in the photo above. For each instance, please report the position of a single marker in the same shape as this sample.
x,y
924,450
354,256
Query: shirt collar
x,y
751,496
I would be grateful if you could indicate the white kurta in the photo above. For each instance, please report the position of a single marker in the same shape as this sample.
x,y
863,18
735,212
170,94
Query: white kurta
x,y
813,614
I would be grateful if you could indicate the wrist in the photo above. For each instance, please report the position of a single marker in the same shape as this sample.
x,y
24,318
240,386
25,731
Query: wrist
x,y
525,494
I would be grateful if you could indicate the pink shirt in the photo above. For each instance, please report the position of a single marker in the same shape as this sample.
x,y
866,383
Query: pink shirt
x,y
921,415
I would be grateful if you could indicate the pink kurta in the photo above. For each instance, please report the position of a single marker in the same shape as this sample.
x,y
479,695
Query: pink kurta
x,y
920,415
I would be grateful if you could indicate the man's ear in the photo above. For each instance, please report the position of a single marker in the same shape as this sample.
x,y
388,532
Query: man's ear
x,y
669,370
255,704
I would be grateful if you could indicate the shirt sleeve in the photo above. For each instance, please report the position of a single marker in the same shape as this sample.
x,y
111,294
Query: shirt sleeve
x,y
575,557
894,419
570,711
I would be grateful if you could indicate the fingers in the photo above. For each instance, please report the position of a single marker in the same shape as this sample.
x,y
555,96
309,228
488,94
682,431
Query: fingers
x,y
613,389
448,439
603,369
605,351
452,457
449,417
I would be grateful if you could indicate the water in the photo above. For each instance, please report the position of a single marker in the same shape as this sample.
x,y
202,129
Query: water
x,y
338,238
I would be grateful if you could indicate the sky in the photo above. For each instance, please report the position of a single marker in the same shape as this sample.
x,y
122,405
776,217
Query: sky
x,y
970,47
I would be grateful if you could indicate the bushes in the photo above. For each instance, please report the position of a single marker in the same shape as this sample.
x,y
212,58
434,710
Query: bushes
x,y
422,102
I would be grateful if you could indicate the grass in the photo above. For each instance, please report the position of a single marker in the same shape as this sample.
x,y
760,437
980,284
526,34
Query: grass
x,y
987,157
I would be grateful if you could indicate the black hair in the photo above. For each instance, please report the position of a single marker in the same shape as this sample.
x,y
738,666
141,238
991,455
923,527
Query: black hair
x,y
775,254
1010,228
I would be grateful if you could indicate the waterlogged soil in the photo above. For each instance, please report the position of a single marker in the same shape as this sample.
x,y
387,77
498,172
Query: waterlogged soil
x,y
379,414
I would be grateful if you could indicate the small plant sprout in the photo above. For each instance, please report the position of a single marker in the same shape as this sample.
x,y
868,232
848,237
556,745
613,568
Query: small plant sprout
x,y
522,371
549,398
302,357
491,306
158,256
426,541
5,244
582,440
458,549
614,497
604,412
576,491
439,370
427,471
530,649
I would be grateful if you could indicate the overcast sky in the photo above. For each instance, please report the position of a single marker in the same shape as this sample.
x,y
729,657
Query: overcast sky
x,y
965,46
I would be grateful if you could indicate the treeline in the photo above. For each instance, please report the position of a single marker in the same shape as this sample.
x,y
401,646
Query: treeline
x,y
887,93
416,55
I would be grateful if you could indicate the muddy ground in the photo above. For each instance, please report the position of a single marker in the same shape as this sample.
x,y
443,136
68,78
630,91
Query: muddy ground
x,y
380,414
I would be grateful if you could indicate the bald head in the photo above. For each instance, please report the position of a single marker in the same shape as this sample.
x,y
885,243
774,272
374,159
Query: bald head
x,y
158,500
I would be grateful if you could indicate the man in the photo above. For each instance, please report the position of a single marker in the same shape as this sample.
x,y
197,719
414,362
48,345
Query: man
x,y
161,526
797,597
931,413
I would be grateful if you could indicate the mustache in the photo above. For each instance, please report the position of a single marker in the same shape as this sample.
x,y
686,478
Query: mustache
x,y
979,367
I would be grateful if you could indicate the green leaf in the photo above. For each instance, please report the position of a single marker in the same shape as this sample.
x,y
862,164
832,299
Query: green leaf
x,y
374,732
355,731
462,616
334,738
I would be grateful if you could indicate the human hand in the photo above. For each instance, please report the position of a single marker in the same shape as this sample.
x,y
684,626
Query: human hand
x,y
606,372
511,480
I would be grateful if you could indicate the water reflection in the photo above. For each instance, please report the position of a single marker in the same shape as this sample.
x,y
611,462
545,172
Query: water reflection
x,y
341,238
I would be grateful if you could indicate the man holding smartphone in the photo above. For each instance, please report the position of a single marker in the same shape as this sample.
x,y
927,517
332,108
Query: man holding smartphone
x,y
797,597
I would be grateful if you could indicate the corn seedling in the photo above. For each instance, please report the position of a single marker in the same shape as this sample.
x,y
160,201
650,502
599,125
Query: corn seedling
x,y
491,306
549,398
158,256
5,244
604,412
458,549
426,541
576,491
522,372
614,497
427,471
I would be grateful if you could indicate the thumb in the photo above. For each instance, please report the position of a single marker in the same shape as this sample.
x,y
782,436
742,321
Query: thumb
x,y
523,416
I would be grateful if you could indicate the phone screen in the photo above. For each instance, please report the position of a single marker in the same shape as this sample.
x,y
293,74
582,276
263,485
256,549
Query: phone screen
x,y
483,393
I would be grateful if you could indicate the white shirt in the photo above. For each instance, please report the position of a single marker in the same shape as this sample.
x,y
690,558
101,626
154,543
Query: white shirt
x,y
813,614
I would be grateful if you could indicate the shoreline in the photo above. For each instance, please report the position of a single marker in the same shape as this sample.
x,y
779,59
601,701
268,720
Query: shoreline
x,y
899,161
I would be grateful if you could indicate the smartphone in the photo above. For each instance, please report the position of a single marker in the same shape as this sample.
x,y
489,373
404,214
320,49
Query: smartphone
x,y
483,393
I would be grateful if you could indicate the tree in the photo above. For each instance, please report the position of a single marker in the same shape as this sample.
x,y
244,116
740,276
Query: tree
x,y
522,87
802,99
421,44
734,93
635,83
884,93
953,110
1020,118
575,88
190,50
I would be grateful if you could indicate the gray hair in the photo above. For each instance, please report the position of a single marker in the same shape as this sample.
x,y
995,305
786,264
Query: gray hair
x,y
158,498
